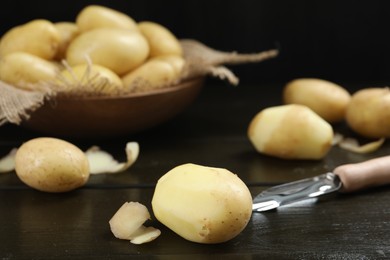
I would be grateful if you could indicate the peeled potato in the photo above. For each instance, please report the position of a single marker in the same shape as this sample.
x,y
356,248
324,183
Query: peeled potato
x,y
326,98
51,165
94,78
153,74
37,37
24,70
290,132
161,40
119,50
368,113
95,16
202,204
68,32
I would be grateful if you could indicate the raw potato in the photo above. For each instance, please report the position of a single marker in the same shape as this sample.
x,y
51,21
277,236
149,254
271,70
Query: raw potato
x,y
51,165
92,78
37,37
127,223
95,16
290,132
153,74
368,113
326,98
25,71
202,204
68,32
161,40
176,61
119,50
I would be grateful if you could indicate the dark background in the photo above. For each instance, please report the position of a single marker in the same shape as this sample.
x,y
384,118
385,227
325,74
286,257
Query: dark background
x,y
342,41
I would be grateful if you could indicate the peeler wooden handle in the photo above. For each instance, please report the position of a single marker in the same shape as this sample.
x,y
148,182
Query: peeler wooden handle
x,y
370,173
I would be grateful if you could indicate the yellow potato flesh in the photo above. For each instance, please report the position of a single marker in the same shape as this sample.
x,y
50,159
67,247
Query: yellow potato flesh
x,y
368,113
25,71
119,50
202,204
91,78
37,37
95,16
290,132
161,40
51,165
326,98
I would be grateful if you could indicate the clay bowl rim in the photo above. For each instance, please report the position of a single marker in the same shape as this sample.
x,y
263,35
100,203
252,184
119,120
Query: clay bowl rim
x,y
187,83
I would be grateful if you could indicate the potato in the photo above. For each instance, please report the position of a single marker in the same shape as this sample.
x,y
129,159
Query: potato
x,y
95,16
51,165
202,204
153,74
119,50
68,31
161,40
290,132
25,70
37,37
327,99
368,113
94,78
176,61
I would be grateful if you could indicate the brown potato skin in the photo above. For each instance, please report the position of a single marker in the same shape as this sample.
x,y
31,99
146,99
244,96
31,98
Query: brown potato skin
x,y
51,165
68,31
326,98
26,71
368,113
119,50
97,16
38,37
161,40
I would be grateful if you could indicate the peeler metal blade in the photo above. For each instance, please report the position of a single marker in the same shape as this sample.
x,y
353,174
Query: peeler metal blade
x,y
296,191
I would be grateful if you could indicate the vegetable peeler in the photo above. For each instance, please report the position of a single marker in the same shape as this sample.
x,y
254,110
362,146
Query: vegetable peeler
x,y
344,178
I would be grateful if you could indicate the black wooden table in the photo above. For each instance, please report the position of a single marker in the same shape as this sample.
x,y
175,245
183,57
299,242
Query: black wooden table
x,y
212,132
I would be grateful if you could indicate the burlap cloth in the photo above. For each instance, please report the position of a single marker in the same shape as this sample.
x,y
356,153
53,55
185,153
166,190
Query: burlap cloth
x,y
17,105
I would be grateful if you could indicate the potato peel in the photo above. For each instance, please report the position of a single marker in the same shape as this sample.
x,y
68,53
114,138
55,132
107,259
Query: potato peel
x,y
127,223
337,138
102,162
352,145
145,235
7,163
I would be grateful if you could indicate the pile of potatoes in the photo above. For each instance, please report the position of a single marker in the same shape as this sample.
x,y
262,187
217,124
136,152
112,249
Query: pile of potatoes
x,y
302,127
103,51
